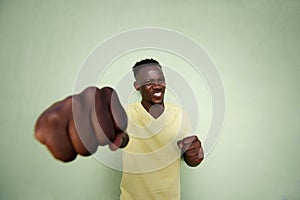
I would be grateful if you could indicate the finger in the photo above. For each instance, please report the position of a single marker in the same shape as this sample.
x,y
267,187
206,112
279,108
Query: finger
x,y
120,122
100,116
193,152
186,142
80,129
107,115
120,142
60,145
195,159
180,144
193,145
47,118
189,140
50,130
125,140
201,154
110,113
118,113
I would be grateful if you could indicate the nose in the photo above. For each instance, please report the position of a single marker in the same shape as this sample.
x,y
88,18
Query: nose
x,y
156,85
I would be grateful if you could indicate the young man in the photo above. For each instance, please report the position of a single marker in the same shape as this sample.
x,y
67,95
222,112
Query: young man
x,y
151,161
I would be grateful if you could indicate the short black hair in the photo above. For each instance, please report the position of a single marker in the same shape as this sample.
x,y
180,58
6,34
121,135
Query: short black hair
x,y
144,62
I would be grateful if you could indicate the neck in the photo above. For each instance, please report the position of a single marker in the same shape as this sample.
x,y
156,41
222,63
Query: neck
x,y
155,110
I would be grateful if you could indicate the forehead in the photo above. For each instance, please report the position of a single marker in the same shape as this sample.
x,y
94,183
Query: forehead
x,y
149,71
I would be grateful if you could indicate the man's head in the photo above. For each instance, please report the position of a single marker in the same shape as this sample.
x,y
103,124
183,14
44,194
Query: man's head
x,y
150,81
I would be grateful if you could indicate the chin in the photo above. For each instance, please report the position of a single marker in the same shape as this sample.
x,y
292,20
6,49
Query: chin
x,y
161,101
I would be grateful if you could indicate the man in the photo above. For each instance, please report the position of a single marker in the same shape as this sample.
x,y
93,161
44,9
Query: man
x,y
151,162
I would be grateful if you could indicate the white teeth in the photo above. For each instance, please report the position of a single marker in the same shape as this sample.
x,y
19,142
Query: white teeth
x,y
157,94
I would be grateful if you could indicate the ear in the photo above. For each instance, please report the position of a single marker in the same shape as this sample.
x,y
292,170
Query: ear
x,y
136,85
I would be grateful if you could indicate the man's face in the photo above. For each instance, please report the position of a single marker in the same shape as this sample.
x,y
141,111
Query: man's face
x,y
150,81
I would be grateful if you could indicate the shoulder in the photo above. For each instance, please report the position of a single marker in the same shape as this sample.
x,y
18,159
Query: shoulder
x,y
173,107
133,109
132,106
177,111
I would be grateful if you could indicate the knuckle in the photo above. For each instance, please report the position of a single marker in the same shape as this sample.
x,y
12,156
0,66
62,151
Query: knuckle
x,y
38,134
53,117
48,120
189,153
92,90
67,103
89,93
106,90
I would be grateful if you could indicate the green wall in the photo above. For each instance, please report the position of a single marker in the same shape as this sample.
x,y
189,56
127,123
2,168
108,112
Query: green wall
x,y
255,45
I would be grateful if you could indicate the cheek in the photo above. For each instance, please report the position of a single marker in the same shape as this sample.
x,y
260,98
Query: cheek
x,y
145,88
145,91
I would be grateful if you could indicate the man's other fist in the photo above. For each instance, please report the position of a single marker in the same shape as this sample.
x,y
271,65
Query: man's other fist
x,y
192,150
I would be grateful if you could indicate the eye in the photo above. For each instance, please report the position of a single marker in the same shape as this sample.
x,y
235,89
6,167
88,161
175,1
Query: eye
x,y
148,82
161,80
153,81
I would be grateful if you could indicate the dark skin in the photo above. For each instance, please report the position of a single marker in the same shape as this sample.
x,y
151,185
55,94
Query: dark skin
x,y
147,83
192,150
82,122
150,82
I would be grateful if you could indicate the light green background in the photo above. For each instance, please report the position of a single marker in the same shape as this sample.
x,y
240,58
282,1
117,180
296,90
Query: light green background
x,y
255,45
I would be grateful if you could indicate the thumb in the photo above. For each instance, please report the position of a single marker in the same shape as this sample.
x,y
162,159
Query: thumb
x,y
121,141
180,144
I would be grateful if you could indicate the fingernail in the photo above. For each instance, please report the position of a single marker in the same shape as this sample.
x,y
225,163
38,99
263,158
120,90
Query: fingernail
x,y
125,140
180,145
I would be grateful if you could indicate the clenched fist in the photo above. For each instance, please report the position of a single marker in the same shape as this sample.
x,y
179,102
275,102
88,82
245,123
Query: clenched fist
x,y
82,122
192,150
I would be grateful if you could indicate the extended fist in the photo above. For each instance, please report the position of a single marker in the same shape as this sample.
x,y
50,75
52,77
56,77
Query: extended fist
x,y
82,122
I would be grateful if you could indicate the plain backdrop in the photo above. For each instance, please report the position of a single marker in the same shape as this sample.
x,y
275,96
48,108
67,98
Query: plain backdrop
x,y
254,44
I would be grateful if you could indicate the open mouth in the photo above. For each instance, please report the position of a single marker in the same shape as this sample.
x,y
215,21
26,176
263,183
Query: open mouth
x,y
157,94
